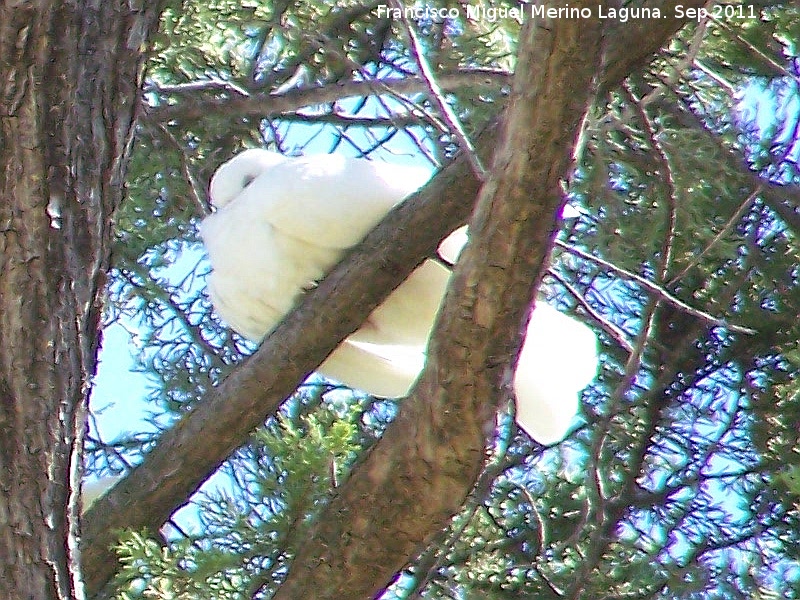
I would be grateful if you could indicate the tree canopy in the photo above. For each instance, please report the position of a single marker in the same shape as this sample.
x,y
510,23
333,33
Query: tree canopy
x,y
674,141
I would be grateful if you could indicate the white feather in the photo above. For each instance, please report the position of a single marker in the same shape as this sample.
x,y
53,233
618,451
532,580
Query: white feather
x,y
557,360
451,246
406,317
93,490
381,370
280,225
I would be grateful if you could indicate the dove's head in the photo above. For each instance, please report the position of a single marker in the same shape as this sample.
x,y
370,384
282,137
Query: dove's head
x,y
235,175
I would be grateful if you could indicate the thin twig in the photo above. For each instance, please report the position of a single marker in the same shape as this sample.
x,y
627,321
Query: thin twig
x,y
656,289
197,190
376,85
191,87
724,231
608,327
437,94
719,79
759,53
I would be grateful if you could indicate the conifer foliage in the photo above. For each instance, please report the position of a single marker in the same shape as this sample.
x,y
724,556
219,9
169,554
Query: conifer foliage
x,y
679,247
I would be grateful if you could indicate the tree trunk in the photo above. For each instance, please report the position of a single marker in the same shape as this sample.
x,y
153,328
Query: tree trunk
x,y
69,82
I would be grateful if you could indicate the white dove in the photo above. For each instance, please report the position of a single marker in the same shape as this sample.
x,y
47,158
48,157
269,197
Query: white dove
x,y
281,223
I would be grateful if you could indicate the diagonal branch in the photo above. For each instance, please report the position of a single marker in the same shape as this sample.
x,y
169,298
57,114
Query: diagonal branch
x,y
436,446
222,421
659,291
437,95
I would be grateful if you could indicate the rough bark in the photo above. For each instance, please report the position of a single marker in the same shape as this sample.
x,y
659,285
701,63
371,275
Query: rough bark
x,y
69,77
189,452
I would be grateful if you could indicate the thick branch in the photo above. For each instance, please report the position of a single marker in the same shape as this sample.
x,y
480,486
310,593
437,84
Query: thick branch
x,y
436,447
69,79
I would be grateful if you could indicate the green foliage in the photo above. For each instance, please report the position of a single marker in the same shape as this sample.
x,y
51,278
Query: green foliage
x,y
281,479
183,573
682,479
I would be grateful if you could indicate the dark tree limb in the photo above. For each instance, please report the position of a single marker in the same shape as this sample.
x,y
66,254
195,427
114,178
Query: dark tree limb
x,y
436,447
